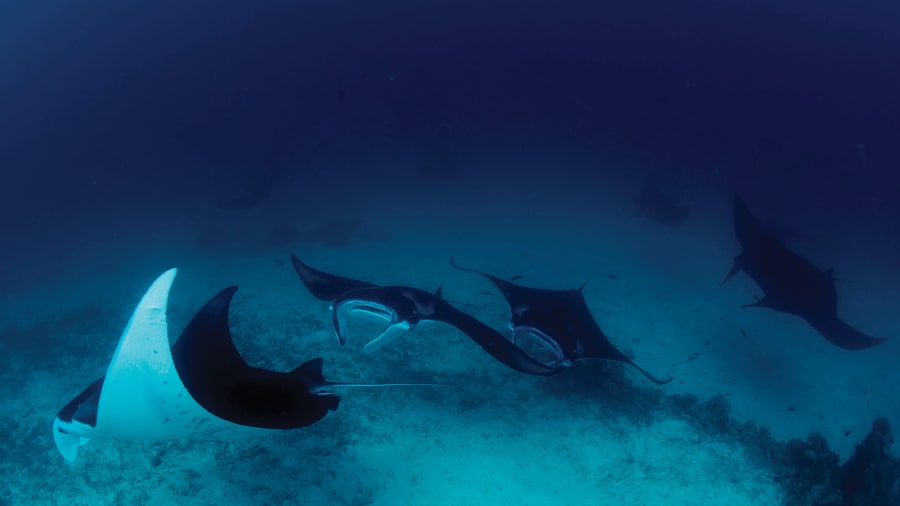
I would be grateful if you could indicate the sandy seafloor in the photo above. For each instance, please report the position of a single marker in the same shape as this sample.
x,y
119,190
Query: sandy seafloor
x,y
490,436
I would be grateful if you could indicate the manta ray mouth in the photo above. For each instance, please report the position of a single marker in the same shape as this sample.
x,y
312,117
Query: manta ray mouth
x,y
539,346
371,311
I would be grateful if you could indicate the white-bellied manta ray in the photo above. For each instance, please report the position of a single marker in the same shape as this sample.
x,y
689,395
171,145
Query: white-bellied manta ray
x,y
791,284
557,322
403,308
200,388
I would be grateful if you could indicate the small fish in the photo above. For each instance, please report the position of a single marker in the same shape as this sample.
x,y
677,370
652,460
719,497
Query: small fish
x,y
515,278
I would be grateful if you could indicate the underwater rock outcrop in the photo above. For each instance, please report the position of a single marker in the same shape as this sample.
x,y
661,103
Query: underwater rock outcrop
x,y
870,475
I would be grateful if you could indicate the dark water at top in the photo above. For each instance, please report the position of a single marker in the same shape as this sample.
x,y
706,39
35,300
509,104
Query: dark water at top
x,y
112,104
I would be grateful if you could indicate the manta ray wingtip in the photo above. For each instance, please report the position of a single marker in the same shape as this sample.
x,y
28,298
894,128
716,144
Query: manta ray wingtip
x,y
735,268
66,443
658,381
468,269
662,381
459,267
843,335
297,263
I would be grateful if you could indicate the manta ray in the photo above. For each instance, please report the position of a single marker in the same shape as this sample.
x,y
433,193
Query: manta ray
x,y
656,206
403,308
200,388
791,284
558,324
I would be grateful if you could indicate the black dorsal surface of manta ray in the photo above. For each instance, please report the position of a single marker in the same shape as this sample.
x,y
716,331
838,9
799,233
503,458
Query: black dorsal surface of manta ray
x,y
198,389
325,286
791,284
559,322
219,379
403,308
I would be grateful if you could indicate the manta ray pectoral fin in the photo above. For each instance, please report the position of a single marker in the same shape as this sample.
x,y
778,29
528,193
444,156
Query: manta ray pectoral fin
x,y
141,371
760,302
618,356
651,377
119,404
735,268
66,443
842,335
622,358
324,285
311,369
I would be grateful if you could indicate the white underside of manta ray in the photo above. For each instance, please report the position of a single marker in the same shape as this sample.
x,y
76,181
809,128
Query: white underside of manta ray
x,y
141,397
200,388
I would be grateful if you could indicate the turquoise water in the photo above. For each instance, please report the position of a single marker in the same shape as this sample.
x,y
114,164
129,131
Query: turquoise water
x,y
599,432
377,141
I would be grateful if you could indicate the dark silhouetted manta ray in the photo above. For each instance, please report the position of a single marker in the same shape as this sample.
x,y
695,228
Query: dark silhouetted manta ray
x,y
654,205
558,323
791,284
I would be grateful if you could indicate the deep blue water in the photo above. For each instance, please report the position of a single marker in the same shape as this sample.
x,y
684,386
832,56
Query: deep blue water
x,y
105,102
210,127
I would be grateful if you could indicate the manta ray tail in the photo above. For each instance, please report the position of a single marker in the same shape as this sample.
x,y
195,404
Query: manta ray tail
x,y
328,385
311,372
843,335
